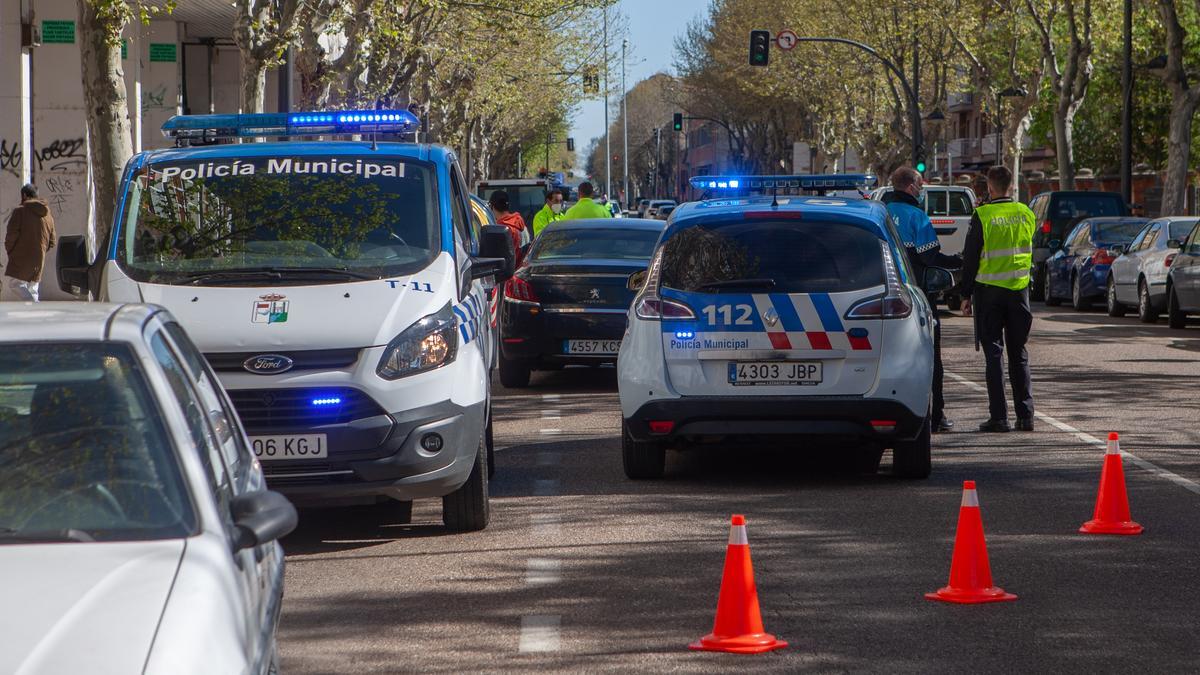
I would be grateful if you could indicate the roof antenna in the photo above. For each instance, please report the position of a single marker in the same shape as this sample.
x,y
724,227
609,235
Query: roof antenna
x,y
374,144
774,196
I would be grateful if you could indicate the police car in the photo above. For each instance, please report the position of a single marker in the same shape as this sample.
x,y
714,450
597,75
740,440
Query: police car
x,y
336,288
779,316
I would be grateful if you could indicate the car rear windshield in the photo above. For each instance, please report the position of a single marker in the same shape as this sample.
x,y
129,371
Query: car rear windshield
x,y
782,256
1119,232
1179,230
615,244
84,450
1073,208
948,203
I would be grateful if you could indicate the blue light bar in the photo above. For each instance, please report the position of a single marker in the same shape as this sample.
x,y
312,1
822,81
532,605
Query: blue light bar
x,y
839,181
331,123
326,401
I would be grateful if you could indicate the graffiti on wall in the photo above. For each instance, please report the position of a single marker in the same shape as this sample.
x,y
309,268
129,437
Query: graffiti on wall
x,y
63,155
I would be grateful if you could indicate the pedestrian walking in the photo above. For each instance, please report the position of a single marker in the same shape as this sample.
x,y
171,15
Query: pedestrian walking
x,y
924,250
511,219
996,264
550,212
29,235
586,207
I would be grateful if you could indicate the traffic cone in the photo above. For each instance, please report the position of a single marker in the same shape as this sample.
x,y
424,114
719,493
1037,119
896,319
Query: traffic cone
x,y
1112,504
970,573
738,627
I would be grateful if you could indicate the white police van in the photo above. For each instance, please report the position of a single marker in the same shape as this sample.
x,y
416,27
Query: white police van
x,y
779,316
335,287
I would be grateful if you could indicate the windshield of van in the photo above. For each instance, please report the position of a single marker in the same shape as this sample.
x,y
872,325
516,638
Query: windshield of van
x,y
1074,208
279,220
84,450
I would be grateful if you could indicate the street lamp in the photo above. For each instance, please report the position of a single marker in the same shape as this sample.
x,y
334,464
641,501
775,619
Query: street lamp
x,y
1006,93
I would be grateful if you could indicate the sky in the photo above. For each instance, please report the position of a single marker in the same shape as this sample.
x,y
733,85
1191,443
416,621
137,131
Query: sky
x,y
653,26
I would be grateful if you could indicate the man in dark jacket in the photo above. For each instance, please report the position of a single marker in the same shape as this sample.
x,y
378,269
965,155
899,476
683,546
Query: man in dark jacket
x,y
924,250
30,234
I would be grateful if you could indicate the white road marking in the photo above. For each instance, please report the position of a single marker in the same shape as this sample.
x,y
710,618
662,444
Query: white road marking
x,y
545,488
543,571
551,397
1092,440
550,432
547,527
551,414
539,633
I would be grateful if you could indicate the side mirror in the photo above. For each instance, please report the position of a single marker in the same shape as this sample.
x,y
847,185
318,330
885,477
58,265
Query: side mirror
x,y
495,242
637,280
937,280
262,516
1175,244
1054,244
73,264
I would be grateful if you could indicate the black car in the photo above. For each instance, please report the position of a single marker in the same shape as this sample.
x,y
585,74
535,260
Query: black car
x,y
567,303
1058,212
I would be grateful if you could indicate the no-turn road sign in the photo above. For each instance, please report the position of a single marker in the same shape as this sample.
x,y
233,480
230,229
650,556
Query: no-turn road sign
x,y
786,39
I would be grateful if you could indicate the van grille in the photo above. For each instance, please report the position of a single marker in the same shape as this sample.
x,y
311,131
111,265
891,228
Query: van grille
x,y
311,359
273,409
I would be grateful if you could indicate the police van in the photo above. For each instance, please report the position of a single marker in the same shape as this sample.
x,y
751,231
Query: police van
x,y
779,317
336,289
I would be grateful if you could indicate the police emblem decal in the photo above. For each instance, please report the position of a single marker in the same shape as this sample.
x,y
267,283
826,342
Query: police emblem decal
x,y
270,308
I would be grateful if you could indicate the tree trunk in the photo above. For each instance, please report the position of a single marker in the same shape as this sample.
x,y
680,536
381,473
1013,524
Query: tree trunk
x,y
1179,149
110,144
253,81
1064,148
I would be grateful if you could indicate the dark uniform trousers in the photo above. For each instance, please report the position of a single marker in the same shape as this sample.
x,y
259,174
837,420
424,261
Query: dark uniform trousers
x,y
1004,320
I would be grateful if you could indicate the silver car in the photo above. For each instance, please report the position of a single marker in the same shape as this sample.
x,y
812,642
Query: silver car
x,y
136,535
1138,278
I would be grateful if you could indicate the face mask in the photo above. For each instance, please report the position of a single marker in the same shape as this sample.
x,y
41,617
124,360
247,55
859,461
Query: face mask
x,y
557,208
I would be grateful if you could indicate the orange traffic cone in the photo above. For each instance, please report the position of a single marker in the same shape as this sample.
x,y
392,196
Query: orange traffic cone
x,y
738,627
1112,504
970,573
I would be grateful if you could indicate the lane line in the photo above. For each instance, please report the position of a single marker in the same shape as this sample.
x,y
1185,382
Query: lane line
x,y
550,432
539,633
543,571
1092,440
546,527
551,397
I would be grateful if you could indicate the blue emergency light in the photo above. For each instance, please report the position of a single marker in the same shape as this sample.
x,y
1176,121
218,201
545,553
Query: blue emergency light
x,y
326,401
823,182
257,125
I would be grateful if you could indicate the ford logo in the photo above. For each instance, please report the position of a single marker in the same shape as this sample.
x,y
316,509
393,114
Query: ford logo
x,y
267,364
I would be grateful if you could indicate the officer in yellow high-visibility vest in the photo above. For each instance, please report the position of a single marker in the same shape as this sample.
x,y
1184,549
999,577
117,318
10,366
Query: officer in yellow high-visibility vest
x,y
551,212
997,259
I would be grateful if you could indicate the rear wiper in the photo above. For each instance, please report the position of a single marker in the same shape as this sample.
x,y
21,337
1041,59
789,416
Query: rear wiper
x,y
765,284
8,534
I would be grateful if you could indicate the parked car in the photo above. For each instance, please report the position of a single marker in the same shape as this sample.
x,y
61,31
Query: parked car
x,y
1139,276
642,205
136,534
1059,211
949,208
1079,268
567,305
1183,282
664,211
652,209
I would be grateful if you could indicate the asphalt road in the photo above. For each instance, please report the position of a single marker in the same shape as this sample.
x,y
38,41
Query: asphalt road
x,y
583,570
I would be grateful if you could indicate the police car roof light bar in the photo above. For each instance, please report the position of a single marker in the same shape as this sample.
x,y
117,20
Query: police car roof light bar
x,y
840,181
258,125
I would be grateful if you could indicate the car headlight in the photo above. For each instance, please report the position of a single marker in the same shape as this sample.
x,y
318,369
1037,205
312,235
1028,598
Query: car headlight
x,y
429,343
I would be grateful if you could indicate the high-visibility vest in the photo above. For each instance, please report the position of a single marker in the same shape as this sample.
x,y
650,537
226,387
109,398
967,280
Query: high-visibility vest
x,y
543,218
1007,255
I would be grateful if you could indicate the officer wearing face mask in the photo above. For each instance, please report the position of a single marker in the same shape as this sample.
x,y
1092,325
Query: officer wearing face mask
x,y
552,211
924,250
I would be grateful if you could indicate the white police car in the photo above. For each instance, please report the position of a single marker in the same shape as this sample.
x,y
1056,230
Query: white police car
x,y
335,286
786,317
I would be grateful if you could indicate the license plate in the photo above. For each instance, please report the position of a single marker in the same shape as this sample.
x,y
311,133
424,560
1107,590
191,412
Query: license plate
x,y
295,446
592,347
748,373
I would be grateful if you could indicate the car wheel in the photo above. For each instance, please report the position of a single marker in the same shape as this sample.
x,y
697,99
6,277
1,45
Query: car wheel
x,y
1037,292
490,440
1047,296
467,509
1146,311
1115,308
1079,302
642,459
1175,316
912,459
514,374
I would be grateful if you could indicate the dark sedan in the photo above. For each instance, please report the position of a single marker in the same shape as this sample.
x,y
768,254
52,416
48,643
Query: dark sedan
x,y
567,303
1079,268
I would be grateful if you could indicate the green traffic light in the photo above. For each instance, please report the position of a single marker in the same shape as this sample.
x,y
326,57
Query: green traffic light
x,y
920,167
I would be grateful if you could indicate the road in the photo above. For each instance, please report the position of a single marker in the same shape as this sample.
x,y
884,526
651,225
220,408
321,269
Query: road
x,y
583,570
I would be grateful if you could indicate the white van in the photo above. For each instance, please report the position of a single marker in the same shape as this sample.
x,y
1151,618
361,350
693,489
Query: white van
x,y
949,208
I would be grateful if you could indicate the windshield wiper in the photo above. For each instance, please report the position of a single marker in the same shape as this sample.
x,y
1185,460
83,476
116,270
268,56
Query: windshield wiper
x,y
274,273
344,272
230,275
765,284
8,534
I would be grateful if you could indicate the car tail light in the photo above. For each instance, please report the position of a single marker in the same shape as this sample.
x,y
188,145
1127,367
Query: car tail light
x,y
1046,227
1168,260
896,302
650,305
1104,256
883,426
517,289
661,427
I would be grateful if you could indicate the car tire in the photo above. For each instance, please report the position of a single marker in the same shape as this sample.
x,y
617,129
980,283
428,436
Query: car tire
x,y
1176,318
1037,290
514,374
1047,296
1115,308
467,508
1078,302
913,459
490,440
642,459
1146,311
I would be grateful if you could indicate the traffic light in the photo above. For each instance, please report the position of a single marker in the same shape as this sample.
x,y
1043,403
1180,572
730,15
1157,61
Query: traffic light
x,y
591,80
919,163
570,145
677,122
760,47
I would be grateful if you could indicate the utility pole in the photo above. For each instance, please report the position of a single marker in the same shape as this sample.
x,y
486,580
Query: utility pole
x,y
607,136
625,127
1127,107
915,106
657,159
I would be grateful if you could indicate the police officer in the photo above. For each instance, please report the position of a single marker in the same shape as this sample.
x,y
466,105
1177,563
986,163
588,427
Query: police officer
x,y
924,250
586,207
996,263
552,211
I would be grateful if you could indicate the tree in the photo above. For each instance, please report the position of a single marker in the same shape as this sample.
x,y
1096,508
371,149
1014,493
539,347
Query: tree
x,y
262,30
1185,97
